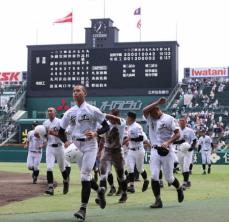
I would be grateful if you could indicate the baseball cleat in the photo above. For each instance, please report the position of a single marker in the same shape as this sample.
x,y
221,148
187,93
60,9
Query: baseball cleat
x,y
204,173
157,204
112,191
101,196
123,198
180,194
81,214
131,189
50,191
145,185
34,180
97,200
65,187
186,185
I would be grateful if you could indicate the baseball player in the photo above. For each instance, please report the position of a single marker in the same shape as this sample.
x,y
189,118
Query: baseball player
x,y
163,131
54,151
113,152
205,145
185,155
136,152
84,136
35,144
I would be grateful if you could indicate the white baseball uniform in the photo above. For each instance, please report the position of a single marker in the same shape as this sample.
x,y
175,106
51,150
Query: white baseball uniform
x,y
136,151
34,150
55,149
185,157
205,142
161,130
86,117
125,147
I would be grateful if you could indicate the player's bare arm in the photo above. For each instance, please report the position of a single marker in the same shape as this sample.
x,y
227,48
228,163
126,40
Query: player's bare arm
x,y
114,118
63,137
193,145
175,137
26,145
91,134
146,144
100,147
147,109
126,141
53,132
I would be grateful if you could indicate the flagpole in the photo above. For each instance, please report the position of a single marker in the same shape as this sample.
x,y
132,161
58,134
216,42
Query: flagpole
x,y
140,30
72,27
104,8
176,29
36,37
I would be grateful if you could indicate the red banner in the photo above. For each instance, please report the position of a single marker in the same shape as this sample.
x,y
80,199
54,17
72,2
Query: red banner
x,y
10,76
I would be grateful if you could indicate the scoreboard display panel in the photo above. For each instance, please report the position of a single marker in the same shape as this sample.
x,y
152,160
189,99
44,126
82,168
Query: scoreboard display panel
x,y
127,69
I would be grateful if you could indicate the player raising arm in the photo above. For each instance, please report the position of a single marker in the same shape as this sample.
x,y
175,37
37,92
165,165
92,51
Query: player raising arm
x,y
163,131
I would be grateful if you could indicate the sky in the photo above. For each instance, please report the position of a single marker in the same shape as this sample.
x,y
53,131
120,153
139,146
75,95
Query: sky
x,y
199,26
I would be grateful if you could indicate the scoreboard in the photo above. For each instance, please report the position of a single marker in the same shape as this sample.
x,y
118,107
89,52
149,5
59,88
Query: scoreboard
x,y
123,69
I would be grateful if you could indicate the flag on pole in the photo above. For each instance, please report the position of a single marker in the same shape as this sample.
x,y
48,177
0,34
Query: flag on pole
x,y
67,18
137,11
139,24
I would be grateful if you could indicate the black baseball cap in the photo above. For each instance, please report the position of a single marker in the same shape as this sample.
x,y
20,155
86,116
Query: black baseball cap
x,y
132,115
35,123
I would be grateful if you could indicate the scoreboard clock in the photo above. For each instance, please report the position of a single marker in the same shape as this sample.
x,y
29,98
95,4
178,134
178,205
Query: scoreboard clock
x,y
109,69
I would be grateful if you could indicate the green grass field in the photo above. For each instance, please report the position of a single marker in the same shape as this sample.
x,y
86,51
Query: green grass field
x,y
207,200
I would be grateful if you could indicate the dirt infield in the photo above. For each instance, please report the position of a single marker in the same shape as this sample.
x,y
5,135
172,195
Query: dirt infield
x,y
19,186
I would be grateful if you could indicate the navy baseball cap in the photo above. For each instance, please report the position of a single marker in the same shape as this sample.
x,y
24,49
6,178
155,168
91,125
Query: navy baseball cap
x,y
35,123
132,115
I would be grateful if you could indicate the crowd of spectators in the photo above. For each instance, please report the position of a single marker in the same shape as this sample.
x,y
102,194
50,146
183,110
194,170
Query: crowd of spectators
x,y
7,125
204,109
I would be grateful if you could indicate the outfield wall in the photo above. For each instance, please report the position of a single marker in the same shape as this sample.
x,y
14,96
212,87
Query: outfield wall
x,y
19,154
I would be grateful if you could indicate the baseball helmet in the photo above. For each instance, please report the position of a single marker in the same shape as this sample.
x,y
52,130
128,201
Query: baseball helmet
x,y
184,147
72,153
41,130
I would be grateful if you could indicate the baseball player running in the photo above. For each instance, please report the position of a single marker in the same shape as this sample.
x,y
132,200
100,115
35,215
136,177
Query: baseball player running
x,y
206,147
84,136
136,152
54,151
35,144
163,131
113,152
188,141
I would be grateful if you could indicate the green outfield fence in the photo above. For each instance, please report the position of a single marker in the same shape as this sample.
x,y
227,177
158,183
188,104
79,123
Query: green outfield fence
x,y
19,154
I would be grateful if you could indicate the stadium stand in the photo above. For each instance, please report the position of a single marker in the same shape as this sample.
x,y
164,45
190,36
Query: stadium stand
x,y
203,101
207,106
16,102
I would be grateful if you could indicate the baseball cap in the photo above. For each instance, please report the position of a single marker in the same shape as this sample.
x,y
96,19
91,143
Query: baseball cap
x,y
132,115
35,123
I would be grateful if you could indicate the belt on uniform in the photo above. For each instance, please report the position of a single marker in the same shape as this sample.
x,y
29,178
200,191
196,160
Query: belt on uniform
x,y
113,150
83,139
135,148
34,151
55,145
